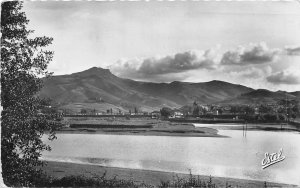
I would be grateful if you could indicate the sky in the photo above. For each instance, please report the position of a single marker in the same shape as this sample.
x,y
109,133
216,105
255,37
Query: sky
x,y
256,44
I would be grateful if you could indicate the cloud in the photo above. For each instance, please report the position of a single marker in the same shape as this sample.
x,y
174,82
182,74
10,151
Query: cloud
x,y
295,50
252,72
246,64
252,54
284,77
158,66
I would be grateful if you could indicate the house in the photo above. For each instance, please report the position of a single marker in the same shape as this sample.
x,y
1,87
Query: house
x,y
256,110
177,114
155,114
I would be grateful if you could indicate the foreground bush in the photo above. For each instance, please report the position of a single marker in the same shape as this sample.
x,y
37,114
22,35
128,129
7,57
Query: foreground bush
x,y
191,181
83,181
103,181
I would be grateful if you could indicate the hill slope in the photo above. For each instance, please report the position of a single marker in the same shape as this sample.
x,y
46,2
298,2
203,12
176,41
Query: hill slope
x,y
262,96
97,85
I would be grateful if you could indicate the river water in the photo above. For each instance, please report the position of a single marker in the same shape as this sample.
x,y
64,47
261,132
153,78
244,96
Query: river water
x,y
235,157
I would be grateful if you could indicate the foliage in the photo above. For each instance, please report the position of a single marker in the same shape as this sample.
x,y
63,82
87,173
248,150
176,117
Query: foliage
x,y
104,181
83,111
191,181
287,102
270,117
165,112
249,110
293,116
23,62
83,181
196,110
295,109
204,111
264,109
220,111
281,117
234,109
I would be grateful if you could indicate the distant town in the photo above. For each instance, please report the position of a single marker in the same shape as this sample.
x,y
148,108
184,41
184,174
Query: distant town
x,y
283,111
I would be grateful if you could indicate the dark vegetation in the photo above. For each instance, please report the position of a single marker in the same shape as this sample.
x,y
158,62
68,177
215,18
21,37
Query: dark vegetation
x,y
120,126
165,112
283,110
82,181
23,61
104,181
191,181
107,115
207,121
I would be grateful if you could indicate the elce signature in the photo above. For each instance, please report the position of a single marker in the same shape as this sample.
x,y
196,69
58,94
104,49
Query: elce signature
x,y
271,159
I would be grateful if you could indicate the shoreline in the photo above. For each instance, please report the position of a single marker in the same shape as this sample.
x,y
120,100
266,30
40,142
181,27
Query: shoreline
x,y
155,127
211,130
62,169
212,133
256,127
143,127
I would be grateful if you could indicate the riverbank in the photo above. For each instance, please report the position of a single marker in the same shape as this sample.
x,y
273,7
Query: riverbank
x,y
62,169
255,127
197,132
147,126
137,126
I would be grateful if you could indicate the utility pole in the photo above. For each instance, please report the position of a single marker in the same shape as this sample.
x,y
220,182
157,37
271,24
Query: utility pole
x,y
286,109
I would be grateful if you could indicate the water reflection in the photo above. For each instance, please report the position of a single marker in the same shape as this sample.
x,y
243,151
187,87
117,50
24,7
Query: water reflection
x,y
236,157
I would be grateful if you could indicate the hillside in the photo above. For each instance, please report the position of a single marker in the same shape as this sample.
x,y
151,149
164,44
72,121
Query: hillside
x,y
98,88
262,96
296,94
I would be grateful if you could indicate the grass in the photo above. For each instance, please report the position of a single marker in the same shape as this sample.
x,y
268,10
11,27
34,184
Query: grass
x,y
141,126
101,126
192,181
103,181
83,181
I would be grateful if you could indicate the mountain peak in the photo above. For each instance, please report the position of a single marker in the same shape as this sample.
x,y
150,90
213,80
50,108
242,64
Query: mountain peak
x,y
176,83
217,82
98,70
94,71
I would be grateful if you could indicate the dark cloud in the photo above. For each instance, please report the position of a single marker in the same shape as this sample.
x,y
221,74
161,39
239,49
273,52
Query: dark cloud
x,y
293,50
156,67
254,54
283,78
172,64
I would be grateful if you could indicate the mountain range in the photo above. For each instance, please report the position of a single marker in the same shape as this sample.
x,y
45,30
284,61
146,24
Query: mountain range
x,y
99,89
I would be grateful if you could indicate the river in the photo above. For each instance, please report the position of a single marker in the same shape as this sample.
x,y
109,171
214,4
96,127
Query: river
x,y
235,157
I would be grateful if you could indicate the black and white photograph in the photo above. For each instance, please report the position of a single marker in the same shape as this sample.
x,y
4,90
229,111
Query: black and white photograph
x,y
150,94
